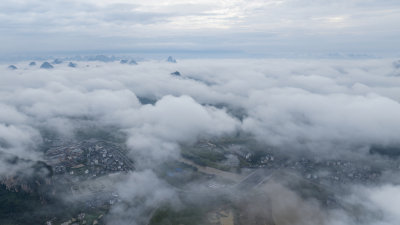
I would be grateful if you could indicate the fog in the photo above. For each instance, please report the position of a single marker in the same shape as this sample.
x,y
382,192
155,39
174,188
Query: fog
x,y
335,109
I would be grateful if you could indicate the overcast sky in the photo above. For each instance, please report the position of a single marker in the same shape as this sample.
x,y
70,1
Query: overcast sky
x,y
257,27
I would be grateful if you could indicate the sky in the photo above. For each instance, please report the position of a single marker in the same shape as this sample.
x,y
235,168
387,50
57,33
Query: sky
x,y
206,27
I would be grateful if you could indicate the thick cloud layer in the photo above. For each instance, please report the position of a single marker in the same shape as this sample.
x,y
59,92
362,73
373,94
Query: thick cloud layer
x,y
35,99
325,107
293,104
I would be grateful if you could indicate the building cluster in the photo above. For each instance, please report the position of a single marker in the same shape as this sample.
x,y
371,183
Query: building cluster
x,y
318,170
74,163
63,158
88,158
102,159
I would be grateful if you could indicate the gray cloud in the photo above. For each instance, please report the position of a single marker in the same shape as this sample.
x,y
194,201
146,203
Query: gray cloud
x,y
254,27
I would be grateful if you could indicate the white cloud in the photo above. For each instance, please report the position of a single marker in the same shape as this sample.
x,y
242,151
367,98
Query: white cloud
x,y
156,130
295,104
386,199
141,193
324,106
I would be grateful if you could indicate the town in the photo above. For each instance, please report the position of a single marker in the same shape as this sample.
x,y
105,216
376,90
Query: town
x,y
86,159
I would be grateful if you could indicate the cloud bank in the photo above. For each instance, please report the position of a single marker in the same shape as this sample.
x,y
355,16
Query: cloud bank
x,y
294,104
329,108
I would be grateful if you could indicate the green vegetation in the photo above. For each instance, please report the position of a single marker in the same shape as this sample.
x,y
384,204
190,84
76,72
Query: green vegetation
x,y
179,174
15,206
186,216
19,207
205,157
192,213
